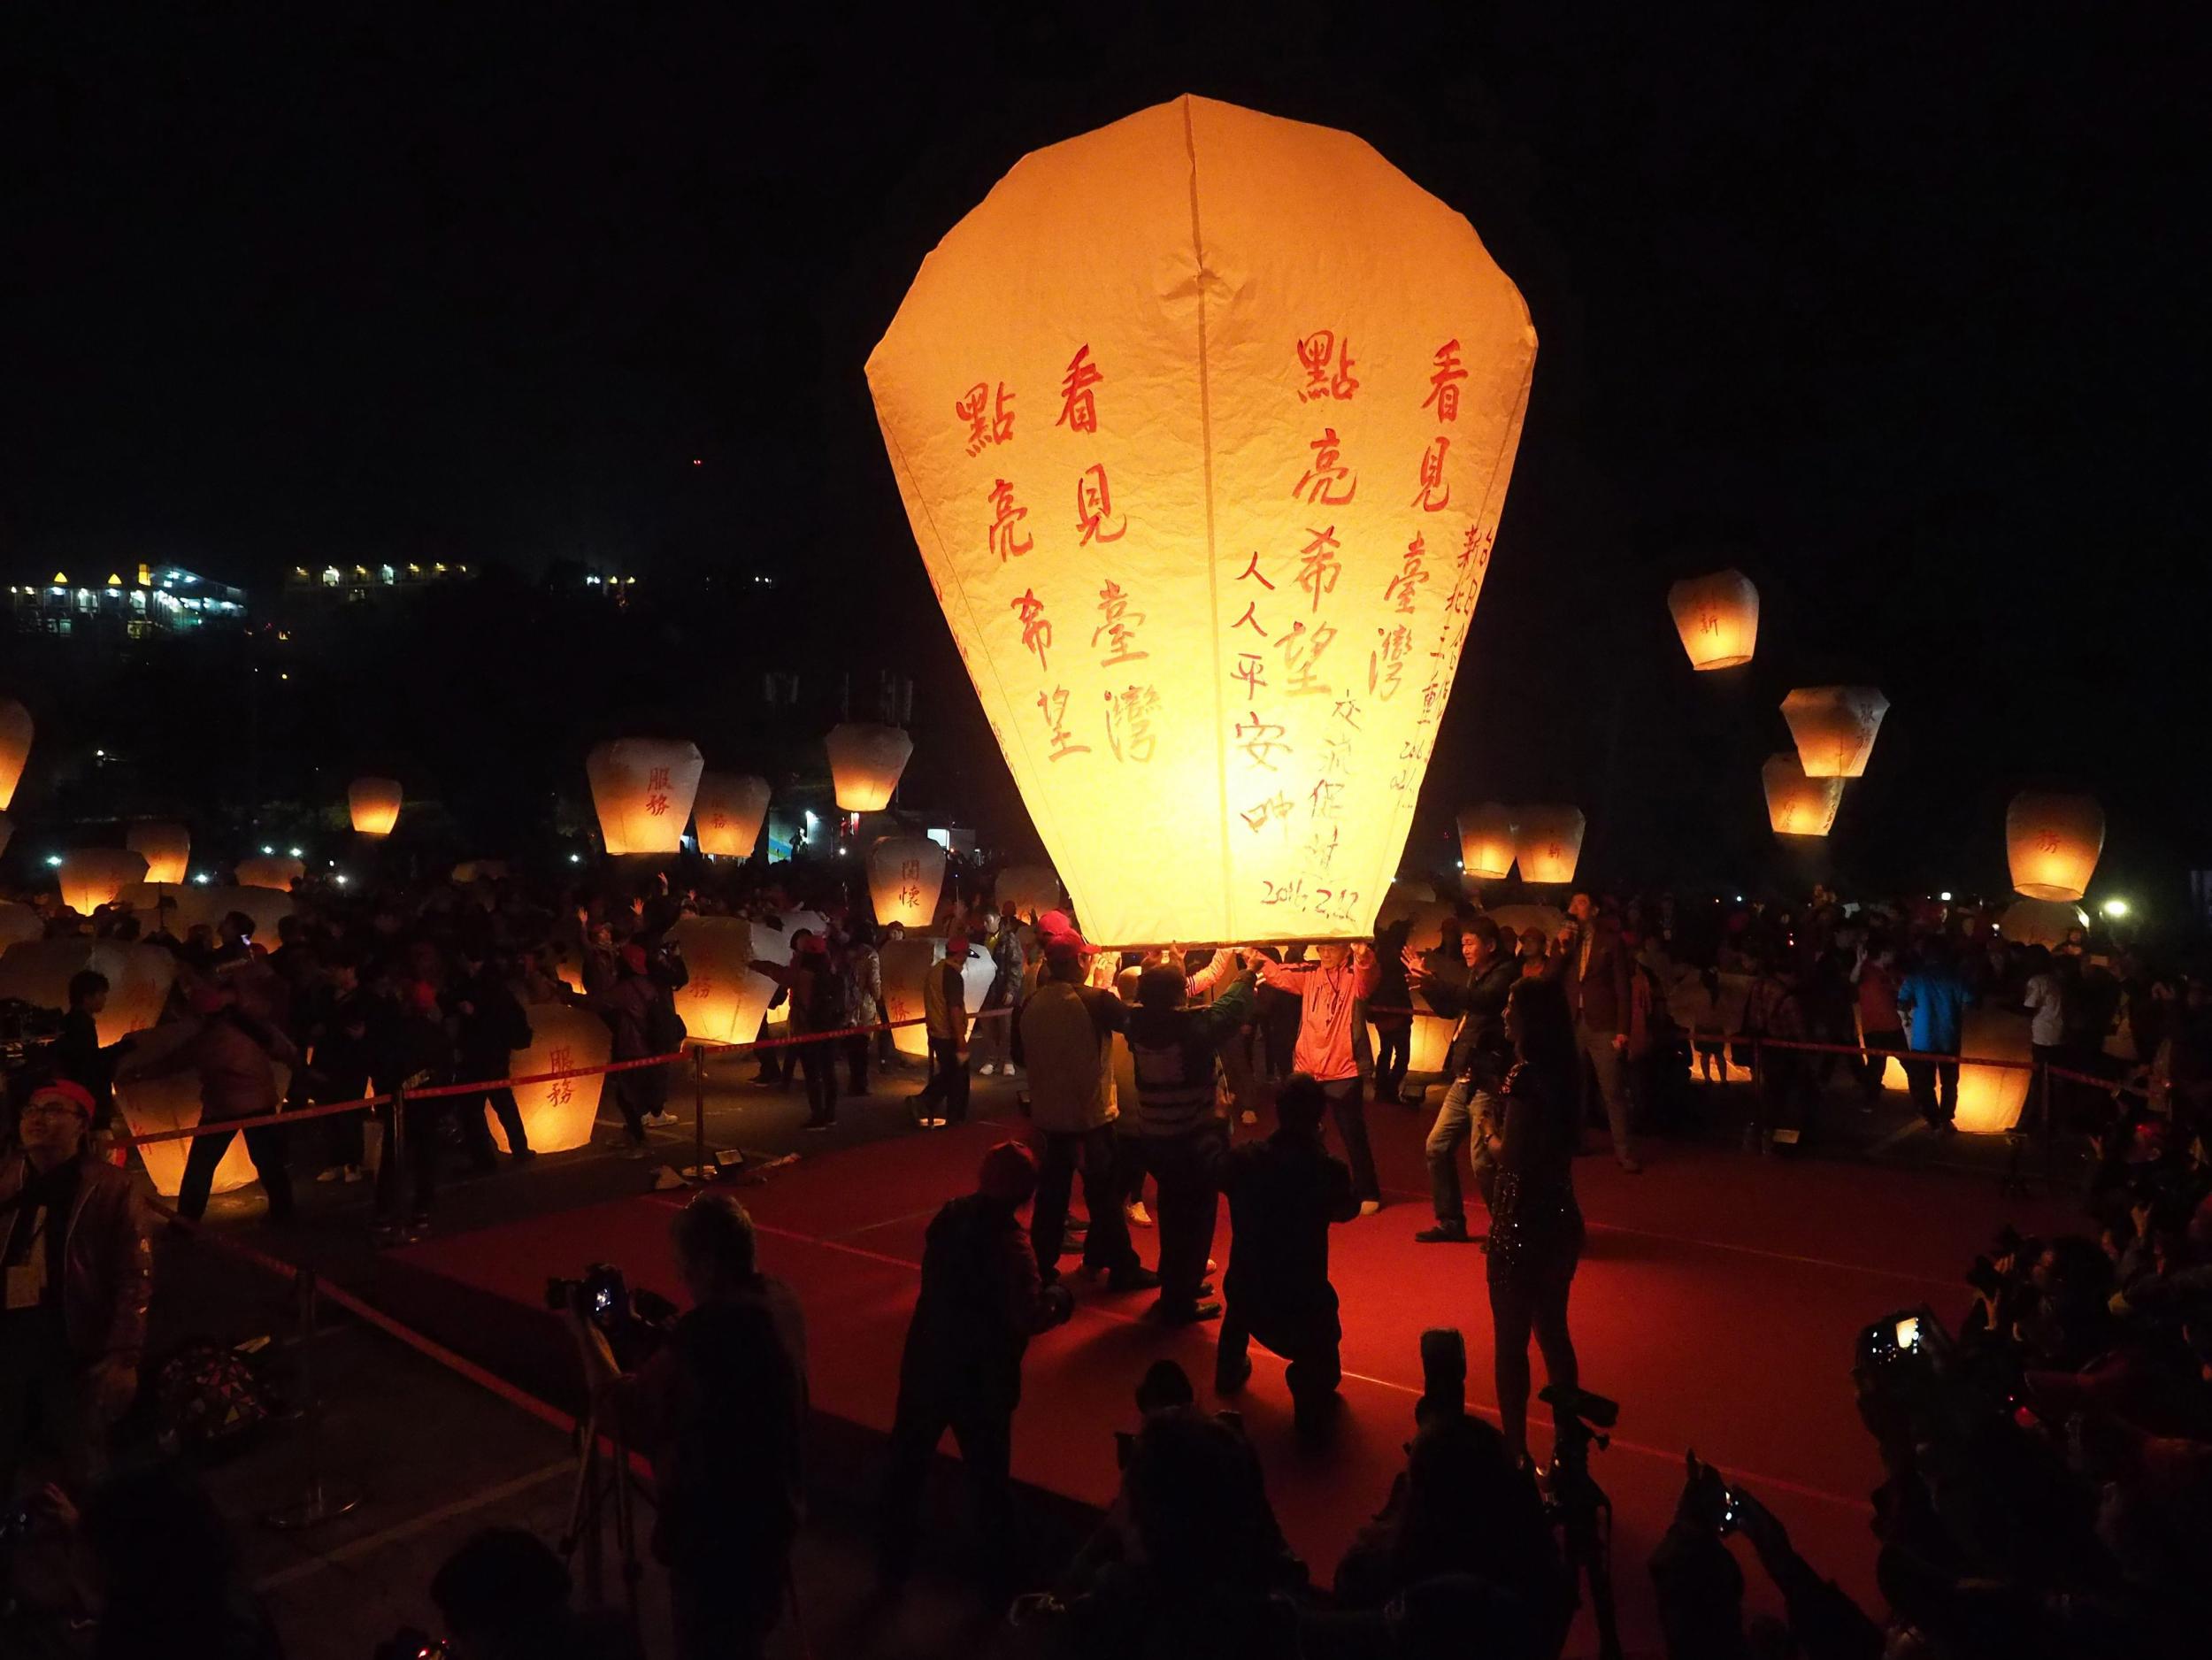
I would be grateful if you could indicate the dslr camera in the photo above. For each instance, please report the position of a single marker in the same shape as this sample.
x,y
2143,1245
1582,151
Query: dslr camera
x,y
636,1324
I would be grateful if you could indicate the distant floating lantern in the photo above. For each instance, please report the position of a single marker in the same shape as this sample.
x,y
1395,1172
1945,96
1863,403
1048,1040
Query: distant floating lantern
x,y
1798,805
725,997
15,746
1033,888
728,816
167,849
644,788
866,762
557,1113
92,877
147,1106
375,804
1717,617
1547,840
1835,728
2045,922
906,875
1486,843
274,872
2053,842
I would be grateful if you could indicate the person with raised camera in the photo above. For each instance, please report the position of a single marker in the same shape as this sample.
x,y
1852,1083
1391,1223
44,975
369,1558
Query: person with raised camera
x,y
721,1412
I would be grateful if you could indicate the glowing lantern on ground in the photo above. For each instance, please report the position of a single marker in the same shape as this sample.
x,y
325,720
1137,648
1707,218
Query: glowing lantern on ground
x,y
905,963
559,1114
1174,483
166,848
374,803
1990,1097
905,876
2052,843
644,789
866,762
728,814
172,1102
1835,728
92,877
15,746
724,998
1033,888
1547,840
272,871
1798,805
19,923
1717,617
2040,921
1430,1043
1485,842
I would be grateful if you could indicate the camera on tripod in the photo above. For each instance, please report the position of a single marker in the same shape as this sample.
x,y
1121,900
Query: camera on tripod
x,y
636,1324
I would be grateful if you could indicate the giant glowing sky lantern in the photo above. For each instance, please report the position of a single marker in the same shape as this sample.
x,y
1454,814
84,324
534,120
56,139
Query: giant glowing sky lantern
x,y
905,876
1717,617
557,1113
15,747
724,998
644,789
728,813
1485,842
1547,840
1835,728
374,804
1203,422
1798,805
866,762
166,849
2052,843
92,877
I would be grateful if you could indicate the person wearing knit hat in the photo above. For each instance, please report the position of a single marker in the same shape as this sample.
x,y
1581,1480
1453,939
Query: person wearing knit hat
x,y
981,1303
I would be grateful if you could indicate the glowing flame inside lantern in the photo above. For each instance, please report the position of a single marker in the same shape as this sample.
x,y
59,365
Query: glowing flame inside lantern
x,y
166,849
644,789
728,814
725,997
1485,842
1717,617
906,875
1798,805
1835,728
92,877
2053,843
1208,498
374,805
865,762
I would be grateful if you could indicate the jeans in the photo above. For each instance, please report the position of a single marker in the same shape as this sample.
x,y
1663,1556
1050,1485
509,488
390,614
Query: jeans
x,y
266,1144
1467,1115
948,1085
1605,1066
1062,1153
1343,1095
1392,1051
1186,1168
1935,1089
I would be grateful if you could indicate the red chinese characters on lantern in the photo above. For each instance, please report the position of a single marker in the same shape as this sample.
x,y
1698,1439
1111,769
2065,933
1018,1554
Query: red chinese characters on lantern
x,y
1129,716
1250,619
1275,809
1328,367
1301,652
1119,627
1435,494
1250,673
1328,481
1386,663
1078,413
1094,514
1259,740
1036,630
1405,588
1005,538
1251,572
990,418
1054,706
1444,384
1318,565
560,1091
656,789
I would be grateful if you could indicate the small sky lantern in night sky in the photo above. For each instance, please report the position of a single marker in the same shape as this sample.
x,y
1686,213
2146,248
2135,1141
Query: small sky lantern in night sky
x,y
1717,617
643,789
2052,843
1835,728
728,814
1547,840
1485,842
1798,805
865,760
166,849
374,803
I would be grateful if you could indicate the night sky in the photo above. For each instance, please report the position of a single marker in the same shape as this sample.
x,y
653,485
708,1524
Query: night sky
x,y
1899,313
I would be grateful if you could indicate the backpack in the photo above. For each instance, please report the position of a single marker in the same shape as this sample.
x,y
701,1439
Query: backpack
x,y
665,1028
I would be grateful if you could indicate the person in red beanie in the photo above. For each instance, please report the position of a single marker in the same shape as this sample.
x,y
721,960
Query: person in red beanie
x,y
981,1302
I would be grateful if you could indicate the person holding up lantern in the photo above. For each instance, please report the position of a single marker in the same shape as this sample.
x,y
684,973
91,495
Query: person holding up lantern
x,y
1332,990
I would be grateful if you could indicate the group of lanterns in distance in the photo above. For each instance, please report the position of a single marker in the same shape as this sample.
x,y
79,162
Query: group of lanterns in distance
x,y
1545,840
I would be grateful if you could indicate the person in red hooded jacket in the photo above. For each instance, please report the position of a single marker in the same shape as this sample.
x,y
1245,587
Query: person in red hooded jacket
x,y
1332,988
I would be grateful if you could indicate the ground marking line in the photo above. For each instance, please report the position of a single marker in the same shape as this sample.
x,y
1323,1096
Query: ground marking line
x,y
355,1548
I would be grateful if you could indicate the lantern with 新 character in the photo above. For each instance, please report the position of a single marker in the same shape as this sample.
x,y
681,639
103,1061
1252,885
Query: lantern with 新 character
x,y
725,997
92,877
866,762
644,789
15,747
1547,840
728,814
2052,843
1485,842
2045,922
1798,805
273,871
1203,422
557,1113
166,849
1033,889
1835,728
374,803
1717,617
905,876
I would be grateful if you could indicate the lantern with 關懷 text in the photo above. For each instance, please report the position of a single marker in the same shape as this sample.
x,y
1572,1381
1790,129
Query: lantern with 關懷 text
x,y
905,876
644,789
1547,842
1835,728
1205,477
1798,805
1485,842
866,762
725,996
728,814
166,848
92,877
1031,890
15,747
2052,843
275,871
374,803
1717,617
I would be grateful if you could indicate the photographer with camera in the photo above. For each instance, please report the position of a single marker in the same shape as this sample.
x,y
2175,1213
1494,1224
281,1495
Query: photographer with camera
x,y
721,1412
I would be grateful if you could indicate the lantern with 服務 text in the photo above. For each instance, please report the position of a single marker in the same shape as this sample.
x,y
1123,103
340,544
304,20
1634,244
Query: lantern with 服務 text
x,y
1485,842
1833,727
2052,843
1547,840
374,803
644,789
15,747
728,814
905,876
725,997
92,877
1717,617
1203,422
557,1113
1798,805
866,762
167,849
1032,889
273,871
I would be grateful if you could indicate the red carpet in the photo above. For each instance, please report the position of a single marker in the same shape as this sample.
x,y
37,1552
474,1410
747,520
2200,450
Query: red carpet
x,y
1719,1303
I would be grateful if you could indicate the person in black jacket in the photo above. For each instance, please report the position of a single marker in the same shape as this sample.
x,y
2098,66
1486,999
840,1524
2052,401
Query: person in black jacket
x,y
77,1054
1475,1064
413,1052
489,1025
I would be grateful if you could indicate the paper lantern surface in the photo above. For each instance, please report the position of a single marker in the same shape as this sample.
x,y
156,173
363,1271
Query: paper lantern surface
x,y
1485,841
1203,422
92,877
1547,842
643,789
274,873
559,1114
181,906
1990,1097
1717,617
1835,728
2052,843
2040,921
15,747
1428,1044
1034,889
906,875
1798,805
19,923
166,849
728,814
150,1105
724,998
866,762
38,971
374,804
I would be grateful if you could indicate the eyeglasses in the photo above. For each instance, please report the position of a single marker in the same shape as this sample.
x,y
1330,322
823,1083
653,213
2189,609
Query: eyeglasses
x,y
49,1110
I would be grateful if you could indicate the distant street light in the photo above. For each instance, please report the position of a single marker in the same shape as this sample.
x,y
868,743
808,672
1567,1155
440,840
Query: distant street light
x,y
2115,907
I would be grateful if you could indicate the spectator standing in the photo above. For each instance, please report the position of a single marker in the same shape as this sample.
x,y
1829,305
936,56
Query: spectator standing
x,y
1933,1001
944,1099
1331,990
78,1055
1475,1064
236,1054
1592,966
489,1025
1881,1028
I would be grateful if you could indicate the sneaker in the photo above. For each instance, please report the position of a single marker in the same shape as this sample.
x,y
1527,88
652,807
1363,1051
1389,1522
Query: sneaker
x,y
1230,1380
1443,1233
659,1120
1133,1278
819,1124
1139,1216
1369,1207
989,1069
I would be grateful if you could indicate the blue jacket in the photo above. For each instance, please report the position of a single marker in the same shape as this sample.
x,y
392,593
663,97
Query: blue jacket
x,y
1933,1002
